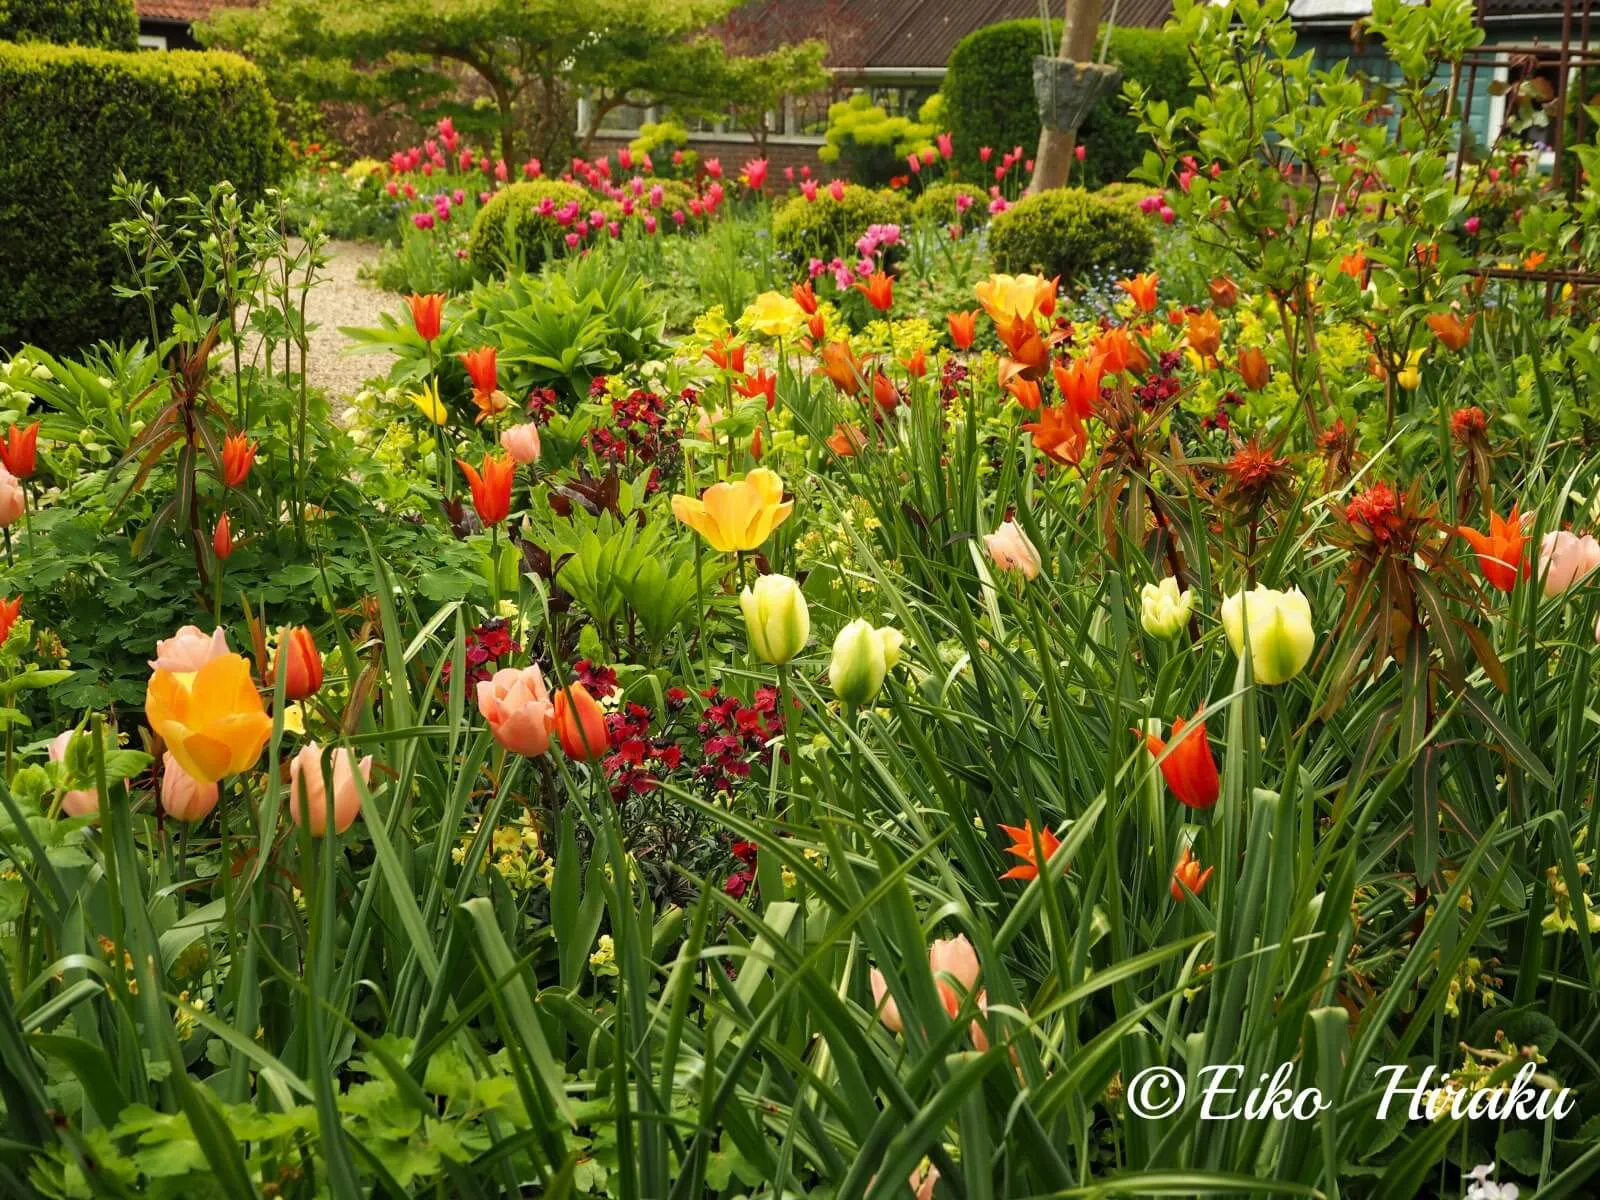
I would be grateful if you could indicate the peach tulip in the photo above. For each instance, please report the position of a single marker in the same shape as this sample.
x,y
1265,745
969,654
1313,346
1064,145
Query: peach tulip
x,y
954,963
521,442
883,1003
309,790
517,706
80,802
183,797
12,500
186,651
1565,559
1011,550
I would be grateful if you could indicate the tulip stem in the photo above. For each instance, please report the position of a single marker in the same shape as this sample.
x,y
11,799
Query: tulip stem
x,y
9,563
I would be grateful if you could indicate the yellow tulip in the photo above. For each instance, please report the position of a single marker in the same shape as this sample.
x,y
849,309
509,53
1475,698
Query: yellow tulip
x,y
774,314
427,400
736,516
212,720
1007,296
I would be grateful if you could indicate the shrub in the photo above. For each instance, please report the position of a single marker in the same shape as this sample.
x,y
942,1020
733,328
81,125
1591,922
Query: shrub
x,y
1069,233
103,24
69,119
511,229
825,227
869,143
1126,193
989,101
938,204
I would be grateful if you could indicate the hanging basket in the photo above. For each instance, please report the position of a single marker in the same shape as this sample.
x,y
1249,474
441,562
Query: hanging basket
x,y
1066,91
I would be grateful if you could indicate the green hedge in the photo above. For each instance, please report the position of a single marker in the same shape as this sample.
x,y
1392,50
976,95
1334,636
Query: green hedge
x,y
938,204
1069,233
104,24
69,119
510,227
988,98
825,227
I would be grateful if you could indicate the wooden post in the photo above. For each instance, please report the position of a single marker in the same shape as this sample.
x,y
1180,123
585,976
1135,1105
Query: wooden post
x,y
1052,164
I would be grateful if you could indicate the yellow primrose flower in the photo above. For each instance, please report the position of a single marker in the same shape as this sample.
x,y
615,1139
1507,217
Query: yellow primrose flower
x,y
736,516
428,403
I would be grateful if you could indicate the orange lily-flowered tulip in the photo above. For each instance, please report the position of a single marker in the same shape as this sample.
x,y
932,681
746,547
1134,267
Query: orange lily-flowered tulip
x,y
1034,847
1187,874
1059,434
1534,260
485,376
736,516
1500,553
238,456
1254,369
491,490
1224,292
916,364
846,440
1189,768
727,355
1143,290
1118,352
842,366
1025,392
19,452
963,328
1079,382
1205,333
816,327
884,391
212,720
1451,329
301,662
806,297
1354,265
579,722
1026,347
426,314
879,290
222,539
758,383
9,611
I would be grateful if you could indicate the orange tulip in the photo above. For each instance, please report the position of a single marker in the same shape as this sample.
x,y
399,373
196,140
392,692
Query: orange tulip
x,y
222,539
9,611
1118,352
1034,848
1451,329
1143,290
238,456
1059,435
817,327
485,376
1022,340
19,452
843,367
963,328
884,392
1187,874
1205,333
491,490
917,364
846,441
1354,265
579,723
806,297
727,355
758,383
1500,555
426,314
1534,260
301,663
1224,292
1079,383
879,291
1253,368
1025,392
1189,768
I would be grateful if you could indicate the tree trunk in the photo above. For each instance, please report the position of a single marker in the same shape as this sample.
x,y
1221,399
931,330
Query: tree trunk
x,y
1052,164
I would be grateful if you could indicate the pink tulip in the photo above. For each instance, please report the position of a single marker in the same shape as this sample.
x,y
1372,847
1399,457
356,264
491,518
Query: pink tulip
x,y
836,188
714,168
1081,151
521,442
983,154
80,802
883,1003
1012,550
1566,559
928,156
531,169
308,790
186,651
1472,225
678,216
914,163
946,145
12,500
808,189
625,158
755,174
572,241
517,706
184,798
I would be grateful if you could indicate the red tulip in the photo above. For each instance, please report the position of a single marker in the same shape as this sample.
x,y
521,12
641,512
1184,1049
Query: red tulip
x,y
222,539
9,611
19,452
1190,770
301,663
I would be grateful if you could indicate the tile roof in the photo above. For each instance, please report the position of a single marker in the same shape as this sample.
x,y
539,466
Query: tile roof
x,y
184,11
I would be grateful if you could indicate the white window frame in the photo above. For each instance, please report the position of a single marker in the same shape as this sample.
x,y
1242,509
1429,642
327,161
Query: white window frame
x,y
152,41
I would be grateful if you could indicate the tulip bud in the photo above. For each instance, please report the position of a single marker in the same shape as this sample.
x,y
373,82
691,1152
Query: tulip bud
x,y
1565,559
776,618
304,664
1277,627
862,656
1163,609
580,723
308,789
521,443
183,797
222,539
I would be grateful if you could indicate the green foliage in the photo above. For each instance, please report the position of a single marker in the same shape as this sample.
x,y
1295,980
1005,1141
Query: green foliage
x,y
869,143
1127,193
989,99
510,230
822,228
70,118
1069,233
99,24
938,205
